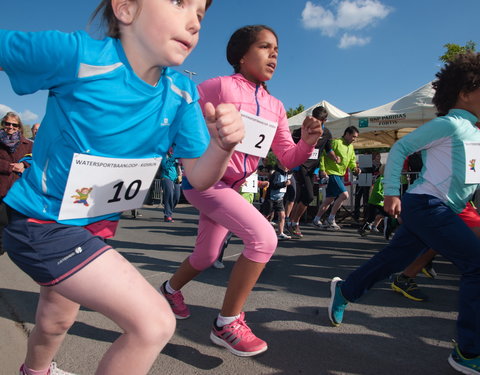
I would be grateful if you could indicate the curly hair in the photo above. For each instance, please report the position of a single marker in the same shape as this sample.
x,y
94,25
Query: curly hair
x,y
459,75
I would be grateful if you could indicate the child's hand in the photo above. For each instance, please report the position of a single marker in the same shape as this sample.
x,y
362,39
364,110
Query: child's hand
x,y
392,205
225,125
311,130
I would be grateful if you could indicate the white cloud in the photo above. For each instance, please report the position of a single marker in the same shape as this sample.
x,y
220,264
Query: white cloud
x,y
316,17
4,109
346,16
352,40
27,116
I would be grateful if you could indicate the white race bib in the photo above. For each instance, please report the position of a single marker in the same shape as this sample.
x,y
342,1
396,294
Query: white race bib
x,y
251,184
472,158
99,185
314,155
259,135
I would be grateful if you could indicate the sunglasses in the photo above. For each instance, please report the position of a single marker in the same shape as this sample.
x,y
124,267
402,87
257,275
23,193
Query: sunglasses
x,y
7,123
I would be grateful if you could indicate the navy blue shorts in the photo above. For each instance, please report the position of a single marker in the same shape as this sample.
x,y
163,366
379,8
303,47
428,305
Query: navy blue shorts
x,y
335,186
49,252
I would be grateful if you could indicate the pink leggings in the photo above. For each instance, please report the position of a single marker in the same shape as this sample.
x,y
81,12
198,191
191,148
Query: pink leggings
x,y
222,210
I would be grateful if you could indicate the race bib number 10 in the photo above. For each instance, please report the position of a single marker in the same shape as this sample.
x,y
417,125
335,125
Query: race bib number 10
x,y
259,135
98,186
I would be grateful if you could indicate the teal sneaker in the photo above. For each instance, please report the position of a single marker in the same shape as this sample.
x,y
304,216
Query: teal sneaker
x,y
462,364
337,302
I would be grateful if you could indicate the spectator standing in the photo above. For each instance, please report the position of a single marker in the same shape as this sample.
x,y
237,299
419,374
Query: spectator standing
x,y
34,128
171,175
13,147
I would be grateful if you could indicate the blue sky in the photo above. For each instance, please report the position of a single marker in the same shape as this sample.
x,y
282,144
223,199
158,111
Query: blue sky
x,y
356,54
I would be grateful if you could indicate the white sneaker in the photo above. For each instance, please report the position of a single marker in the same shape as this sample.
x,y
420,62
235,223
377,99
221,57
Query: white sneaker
x,y
219,265
283,236
318,223
53,370
333,225
374,229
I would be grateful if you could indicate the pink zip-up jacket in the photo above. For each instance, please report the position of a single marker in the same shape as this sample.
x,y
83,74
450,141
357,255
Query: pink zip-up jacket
x,y
254,99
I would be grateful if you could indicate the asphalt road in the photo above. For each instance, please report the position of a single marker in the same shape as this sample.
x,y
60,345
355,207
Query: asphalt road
x,y
383,334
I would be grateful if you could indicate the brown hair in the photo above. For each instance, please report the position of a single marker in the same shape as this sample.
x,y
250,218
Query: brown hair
x,y
109,19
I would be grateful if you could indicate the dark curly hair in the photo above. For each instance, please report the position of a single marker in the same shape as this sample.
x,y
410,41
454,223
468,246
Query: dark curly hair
x,y
459,75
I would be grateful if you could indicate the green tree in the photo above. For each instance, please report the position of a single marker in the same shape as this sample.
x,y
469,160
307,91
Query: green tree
x,y
295,111
454,49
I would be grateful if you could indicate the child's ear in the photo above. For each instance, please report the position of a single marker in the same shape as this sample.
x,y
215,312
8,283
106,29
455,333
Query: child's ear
x,y
125,10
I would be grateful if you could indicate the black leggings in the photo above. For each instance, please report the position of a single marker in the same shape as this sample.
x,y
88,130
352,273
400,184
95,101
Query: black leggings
x,y
305,183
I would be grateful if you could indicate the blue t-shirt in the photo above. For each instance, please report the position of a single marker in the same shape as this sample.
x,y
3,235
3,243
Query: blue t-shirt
x,y
98,106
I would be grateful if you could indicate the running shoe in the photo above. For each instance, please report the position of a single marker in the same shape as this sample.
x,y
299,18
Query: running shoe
x,y
332,225
462,364
429,271
362,232
218,265
294,232
338,303
238,338
374,230
408,287
318,223
283,236
168,219
53,370
180,310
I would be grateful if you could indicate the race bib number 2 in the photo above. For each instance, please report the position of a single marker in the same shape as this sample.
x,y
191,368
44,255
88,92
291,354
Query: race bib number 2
x,y
259,134
99,186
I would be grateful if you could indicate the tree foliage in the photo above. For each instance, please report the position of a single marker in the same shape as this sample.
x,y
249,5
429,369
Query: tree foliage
x,y
295,111
454,49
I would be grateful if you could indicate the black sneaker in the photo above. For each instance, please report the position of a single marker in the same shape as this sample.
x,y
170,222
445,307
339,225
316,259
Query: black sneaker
x,y
408,287
362,231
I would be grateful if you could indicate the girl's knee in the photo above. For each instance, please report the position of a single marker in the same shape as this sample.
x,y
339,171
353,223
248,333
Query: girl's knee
x,y
262,248
54,327
158,329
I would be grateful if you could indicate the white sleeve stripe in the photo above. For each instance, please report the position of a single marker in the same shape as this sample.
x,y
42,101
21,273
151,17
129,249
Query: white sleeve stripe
x,y
87,70
184,94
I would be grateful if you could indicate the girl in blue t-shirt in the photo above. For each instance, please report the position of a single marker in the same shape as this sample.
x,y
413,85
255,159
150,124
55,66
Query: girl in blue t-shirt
x,y
114,109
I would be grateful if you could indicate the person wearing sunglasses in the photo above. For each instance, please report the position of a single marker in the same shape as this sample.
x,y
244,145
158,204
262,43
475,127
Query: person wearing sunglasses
x,y
13,147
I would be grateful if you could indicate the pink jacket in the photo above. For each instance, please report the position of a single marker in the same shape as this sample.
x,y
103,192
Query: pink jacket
x,y
247,96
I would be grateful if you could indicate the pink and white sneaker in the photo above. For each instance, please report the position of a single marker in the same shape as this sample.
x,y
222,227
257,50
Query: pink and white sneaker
x,y
238,338
53,370
179,308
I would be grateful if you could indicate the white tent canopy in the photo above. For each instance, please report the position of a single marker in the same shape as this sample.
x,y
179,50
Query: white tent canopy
x,y
382,126
334,113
